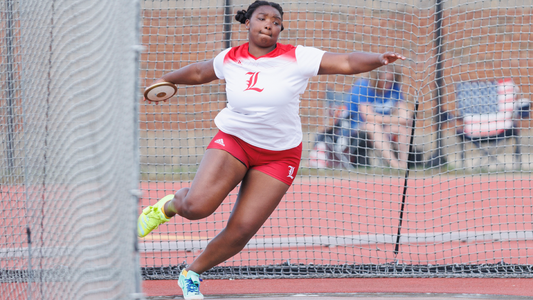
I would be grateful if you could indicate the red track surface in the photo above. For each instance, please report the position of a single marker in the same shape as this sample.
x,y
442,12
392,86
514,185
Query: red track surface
x,y
516,287
434,206
348,207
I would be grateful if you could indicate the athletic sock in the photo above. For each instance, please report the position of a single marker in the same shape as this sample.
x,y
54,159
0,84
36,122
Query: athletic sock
x,y
163,209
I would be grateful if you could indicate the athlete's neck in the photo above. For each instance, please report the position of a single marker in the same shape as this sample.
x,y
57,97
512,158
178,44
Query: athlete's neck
x,y
257,52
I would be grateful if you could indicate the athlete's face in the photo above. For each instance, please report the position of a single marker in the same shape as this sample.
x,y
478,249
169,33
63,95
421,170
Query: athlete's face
x,y
264,26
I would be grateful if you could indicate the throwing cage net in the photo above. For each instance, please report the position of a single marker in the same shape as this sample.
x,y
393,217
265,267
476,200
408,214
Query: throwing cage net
x,y
465,213
457,205
69,152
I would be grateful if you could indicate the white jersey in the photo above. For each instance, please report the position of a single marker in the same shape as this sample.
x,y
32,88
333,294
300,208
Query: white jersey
x,y
264,93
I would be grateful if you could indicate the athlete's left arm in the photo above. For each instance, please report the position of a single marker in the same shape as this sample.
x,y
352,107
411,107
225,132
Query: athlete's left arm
x,y
355,62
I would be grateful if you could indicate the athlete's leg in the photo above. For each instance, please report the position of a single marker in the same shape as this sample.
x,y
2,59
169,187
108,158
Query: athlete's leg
x,y
259,195
218,174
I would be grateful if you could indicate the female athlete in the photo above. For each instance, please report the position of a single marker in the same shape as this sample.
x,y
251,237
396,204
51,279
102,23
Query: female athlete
x,y
259,143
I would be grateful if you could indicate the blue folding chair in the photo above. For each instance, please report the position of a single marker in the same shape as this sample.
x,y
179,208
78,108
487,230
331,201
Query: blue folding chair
x,y
487,109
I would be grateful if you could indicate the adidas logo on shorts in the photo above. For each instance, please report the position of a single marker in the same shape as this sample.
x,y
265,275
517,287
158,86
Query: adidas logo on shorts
x,y
220,142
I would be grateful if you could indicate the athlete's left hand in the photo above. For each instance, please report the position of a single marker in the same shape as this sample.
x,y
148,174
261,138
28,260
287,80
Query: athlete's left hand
x,y
390,57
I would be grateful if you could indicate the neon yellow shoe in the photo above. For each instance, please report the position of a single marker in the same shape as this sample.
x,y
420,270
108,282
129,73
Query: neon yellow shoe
x,y
152,217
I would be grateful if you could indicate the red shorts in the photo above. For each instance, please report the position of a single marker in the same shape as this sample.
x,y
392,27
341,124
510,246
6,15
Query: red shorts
x,y
282,165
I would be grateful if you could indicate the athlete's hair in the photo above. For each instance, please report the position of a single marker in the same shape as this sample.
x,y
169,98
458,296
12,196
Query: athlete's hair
x,y
377,74
243,15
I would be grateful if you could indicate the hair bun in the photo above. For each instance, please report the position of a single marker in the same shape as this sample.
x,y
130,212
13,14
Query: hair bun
x,y
241,16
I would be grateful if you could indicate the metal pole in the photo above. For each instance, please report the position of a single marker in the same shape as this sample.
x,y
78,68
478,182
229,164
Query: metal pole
x,y
227,24
30,268
10,87
438,159
402,208
136,154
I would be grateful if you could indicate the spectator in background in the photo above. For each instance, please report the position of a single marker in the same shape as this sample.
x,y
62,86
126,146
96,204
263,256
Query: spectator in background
x,y
376,105
375,110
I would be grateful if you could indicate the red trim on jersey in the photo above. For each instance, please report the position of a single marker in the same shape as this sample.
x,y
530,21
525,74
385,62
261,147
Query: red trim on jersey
x,y
241,52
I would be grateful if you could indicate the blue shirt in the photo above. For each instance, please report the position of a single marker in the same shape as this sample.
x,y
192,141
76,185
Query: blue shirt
x,y
362,93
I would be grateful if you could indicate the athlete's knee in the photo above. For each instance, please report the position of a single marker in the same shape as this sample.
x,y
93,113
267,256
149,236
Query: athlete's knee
x,y
191,211
241,235
191,208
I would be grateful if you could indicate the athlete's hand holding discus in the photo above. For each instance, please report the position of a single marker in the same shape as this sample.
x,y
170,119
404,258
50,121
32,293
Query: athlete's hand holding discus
x,y
194,74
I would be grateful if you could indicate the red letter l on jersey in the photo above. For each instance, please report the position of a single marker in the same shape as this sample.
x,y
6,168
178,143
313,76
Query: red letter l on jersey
x,y
252,81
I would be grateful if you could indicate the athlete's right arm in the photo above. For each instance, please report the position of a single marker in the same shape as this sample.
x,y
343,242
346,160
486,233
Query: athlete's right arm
x,y
196,73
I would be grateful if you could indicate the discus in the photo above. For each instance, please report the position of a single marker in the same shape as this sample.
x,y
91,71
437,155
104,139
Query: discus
x,y
161,91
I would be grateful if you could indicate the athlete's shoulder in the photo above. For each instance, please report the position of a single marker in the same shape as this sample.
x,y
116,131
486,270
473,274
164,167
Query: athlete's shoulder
x,y
309,50
309,55
284,51
284,48
236,53
241,53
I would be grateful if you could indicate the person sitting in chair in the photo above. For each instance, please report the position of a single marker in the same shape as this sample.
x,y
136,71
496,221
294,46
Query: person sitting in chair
x,y
376,106
376,114
323,153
